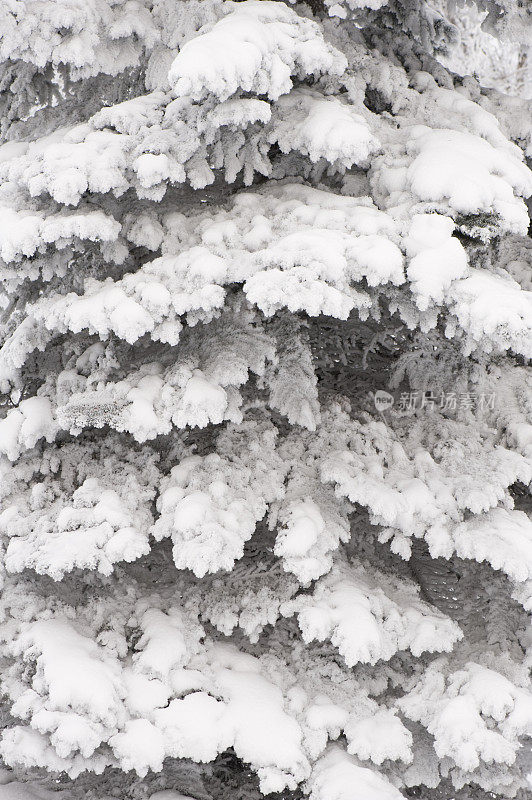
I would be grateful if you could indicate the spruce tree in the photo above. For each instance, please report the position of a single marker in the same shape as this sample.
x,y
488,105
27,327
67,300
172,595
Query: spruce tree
x,y
265,435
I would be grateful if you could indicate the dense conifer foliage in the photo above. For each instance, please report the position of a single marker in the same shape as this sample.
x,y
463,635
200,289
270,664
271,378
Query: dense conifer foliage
x,y
265,435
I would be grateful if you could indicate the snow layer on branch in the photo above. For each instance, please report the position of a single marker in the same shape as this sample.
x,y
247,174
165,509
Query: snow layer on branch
x,y
475,714
457,172
21,339
437,258
25,232
95,531
311,520
265,734
298,248
256,48
77,691
148,301
339,776
152,141
458,110
420,492
119,147
322,127
493,310
330,700
470,174
150,401
80,693
23,746
369,617
502,538
210,505
249,597
179,695
37,417
23,426
156,139
102,35
142,143
84,507
168,641
337,242
316,268
239,707
196,389
46,266
439,273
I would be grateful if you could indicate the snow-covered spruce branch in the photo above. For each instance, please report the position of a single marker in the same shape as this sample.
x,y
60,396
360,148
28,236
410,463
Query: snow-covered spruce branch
x,y
225,572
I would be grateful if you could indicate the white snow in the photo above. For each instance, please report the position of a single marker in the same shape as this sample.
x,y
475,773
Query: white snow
x,y
338,776
257,47
368,618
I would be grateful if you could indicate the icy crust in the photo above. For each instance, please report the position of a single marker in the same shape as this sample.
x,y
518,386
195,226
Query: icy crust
x,y
77,507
